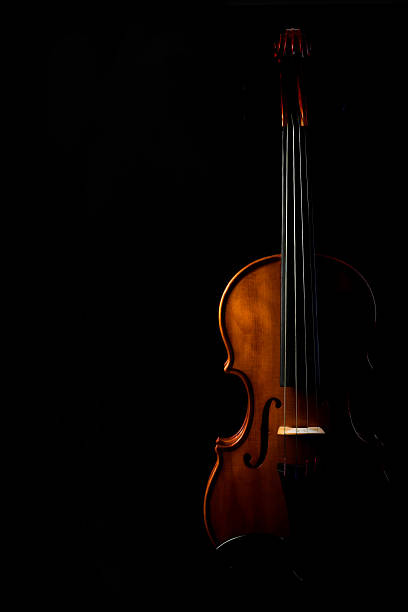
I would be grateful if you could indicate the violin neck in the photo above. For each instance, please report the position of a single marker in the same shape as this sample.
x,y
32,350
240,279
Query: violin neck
x,y
298,271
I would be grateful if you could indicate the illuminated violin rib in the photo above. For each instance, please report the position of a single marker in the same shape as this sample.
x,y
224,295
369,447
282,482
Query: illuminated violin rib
x,y
293,431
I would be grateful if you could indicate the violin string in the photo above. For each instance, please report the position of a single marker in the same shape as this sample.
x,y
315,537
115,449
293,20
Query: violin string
x,y
295,284
312,264
285,271
304,280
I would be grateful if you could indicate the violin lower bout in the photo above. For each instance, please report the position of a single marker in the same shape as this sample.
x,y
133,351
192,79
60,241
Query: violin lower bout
x,y
262,480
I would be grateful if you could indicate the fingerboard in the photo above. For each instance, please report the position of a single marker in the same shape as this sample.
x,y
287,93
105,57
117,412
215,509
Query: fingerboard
x,y
299,334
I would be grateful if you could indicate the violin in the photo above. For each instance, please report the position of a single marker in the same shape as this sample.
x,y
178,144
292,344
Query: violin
x,y
297,327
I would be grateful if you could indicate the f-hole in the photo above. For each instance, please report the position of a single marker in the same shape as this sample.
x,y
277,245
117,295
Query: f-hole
x,y
264,435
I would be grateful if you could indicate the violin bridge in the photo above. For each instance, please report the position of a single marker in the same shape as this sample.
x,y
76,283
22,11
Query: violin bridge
x,y
296,431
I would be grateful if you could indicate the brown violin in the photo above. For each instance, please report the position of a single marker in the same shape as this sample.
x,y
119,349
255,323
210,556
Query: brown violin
x,y
297,327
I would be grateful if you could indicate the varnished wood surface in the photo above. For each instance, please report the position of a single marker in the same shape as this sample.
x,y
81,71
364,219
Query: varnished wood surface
x,y
241,499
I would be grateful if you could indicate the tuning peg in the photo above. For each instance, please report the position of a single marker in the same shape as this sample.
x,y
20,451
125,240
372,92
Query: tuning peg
x,y
291,43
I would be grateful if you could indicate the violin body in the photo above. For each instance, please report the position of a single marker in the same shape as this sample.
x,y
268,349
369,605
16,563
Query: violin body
x,y
262,481
298,329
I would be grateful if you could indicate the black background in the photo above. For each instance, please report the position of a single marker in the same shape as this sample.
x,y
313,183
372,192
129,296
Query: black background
x,y
164,176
